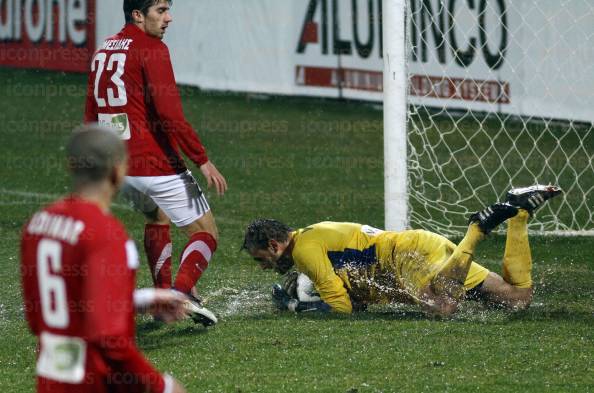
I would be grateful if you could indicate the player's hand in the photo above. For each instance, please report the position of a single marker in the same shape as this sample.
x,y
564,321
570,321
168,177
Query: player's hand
x,y
214,177
168,305
177,387
281,298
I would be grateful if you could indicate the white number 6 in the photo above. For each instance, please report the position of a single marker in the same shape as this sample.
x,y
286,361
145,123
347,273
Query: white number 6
x,y
52,288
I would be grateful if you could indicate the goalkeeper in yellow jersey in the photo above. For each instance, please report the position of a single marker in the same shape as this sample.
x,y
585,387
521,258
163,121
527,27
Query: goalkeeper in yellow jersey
x,y
353,265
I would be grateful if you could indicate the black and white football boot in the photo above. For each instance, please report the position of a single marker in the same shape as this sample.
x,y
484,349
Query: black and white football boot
x,y
531,198
490,217
198,312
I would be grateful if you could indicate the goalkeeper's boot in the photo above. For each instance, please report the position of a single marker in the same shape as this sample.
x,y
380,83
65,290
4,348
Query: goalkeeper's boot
x,y
490,217
198,312
531,198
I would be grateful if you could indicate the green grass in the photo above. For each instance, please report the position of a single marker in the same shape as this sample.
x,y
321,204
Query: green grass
x,y
300,161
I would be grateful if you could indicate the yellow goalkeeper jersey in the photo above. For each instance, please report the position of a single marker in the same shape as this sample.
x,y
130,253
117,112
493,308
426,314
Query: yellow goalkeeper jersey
x,y
352,261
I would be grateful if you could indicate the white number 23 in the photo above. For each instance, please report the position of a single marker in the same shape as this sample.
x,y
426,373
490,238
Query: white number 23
x,y
119,61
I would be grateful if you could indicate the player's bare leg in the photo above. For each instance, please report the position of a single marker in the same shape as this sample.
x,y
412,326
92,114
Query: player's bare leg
x,y
157,217
496,291
206,223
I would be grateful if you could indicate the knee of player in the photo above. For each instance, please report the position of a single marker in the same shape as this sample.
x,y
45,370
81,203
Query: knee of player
x,y
157,217
198,227
522,300
448,308
213,231
441,307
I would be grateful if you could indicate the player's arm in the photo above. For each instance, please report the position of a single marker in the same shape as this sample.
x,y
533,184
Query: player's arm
x,y
168,305
167,103
29,283
311,260
108,289
90,103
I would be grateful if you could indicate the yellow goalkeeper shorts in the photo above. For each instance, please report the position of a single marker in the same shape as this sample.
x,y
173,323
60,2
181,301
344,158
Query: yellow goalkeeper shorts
x,y
417,256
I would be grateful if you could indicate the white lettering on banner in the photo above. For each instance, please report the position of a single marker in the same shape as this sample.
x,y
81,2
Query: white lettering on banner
x,y
350,29
450,27
460,89
339,77
34,31
448,39
77,13
498,55
358,33
40,18
6,12
49,22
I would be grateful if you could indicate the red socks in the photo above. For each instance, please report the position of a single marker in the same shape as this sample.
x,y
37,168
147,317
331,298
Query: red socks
x,y
194,260
157,244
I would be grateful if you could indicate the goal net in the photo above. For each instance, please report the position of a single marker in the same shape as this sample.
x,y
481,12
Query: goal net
x,y
499,94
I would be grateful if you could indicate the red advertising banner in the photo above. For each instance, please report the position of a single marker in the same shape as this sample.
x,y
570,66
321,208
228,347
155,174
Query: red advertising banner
x,y
47,34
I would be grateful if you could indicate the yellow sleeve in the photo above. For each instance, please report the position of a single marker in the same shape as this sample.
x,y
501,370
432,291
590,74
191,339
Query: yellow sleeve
x,y
312,261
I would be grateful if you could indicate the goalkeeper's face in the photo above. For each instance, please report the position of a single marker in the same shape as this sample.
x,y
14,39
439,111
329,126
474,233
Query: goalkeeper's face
x,y
277,256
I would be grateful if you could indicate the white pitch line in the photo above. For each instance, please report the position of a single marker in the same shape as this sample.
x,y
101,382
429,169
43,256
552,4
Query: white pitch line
x,y
49,197
28,194
46,196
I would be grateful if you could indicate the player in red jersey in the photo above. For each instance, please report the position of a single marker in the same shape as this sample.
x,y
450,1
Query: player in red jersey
x,y
78,275
132,89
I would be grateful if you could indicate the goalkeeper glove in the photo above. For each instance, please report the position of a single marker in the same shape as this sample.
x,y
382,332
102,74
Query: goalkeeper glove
x,y
283,301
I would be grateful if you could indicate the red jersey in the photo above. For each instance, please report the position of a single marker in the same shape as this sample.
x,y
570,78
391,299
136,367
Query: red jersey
x,y
78,276
132,90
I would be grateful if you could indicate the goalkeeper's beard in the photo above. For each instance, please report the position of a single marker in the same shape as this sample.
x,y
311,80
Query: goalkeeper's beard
x,y
284,263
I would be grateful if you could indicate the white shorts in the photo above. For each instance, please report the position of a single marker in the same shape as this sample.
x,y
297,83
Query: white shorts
x,y
179,196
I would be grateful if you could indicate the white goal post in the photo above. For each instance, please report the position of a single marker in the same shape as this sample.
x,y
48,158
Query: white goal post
x,y
484,95
395,115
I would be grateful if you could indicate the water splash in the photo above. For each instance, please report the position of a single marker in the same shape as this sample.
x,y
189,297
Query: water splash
x,y
229,302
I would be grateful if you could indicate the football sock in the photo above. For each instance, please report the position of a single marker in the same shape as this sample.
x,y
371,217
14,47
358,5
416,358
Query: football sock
x,y
517,260
194,260
452,277
157,245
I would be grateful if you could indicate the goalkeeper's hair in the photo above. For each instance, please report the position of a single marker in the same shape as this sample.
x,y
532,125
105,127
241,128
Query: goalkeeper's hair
x,y
141,5
92,153
261,231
